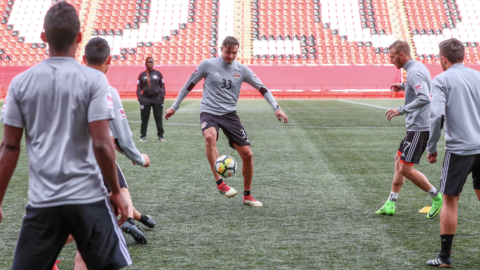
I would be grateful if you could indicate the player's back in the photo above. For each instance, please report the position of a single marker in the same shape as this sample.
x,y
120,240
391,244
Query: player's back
x,y
56,100
462,112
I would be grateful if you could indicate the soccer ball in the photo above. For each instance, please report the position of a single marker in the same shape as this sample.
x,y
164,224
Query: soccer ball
x,y
226,166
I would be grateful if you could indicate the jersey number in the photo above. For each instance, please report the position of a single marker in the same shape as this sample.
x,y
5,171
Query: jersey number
x,y
225,82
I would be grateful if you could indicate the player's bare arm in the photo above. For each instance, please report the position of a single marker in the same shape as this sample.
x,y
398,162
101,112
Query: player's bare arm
x,y
396,87
104,151
9,153
392,113
169,113
281,115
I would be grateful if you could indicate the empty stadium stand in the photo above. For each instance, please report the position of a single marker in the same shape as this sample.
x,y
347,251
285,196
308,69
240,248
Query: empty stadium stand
x,y
284,32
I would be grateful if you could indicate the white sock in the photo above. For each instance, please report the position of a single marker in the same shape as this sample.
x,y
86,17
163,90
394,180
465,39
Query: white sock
x,y
393,196
433,192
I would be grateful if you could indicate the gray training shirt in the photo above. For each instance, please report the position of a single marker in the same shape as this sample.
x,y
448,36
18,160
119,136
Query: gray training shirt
x,y
222,86
456,97
121,131
54,102
417,97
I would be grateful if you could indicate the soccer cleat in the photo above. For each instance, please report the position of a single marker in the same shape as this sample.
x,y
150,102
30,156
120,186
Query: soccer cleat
x,y
436,206
149,222
441,262
249,200
387,209
161,139
133,230
143,139
226,190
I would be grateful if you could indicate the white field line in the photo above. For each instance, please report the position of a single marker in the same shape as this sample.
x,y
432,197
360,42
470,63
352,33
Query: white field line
x,y
364,104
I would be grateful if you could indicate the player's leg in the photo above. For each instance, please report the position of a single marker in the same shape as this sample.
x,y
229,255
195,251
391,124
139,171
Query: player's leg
x,y
97,233
417,142
209,127
42,236
145,115
455,171
398,180
157,114
245,153
129,225
476,176
210,135
79,264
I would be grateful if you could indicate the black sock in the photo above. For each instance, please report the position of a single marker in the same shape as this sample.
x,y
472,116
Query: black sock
x,y
130,220
219,182
143,218
246,193
447,240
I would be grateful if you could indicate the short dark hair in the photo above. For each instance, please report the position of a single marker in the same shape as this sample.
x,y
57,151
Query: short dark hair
x,y
61,26
97,51
400,46
453,50
230,42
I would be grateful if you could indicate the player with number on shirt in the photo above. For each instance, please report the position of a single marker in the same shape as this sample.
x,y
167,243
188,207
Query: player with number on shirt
x,y
223,79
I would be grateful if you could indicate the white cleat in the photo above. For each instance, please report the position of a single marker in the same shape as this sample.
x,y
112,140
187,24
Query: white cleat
x,y
249,200
226,190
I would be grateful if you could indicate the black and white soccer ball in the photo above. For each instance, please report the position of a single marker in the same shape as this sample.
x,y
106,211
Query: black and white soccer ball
x,y
226,166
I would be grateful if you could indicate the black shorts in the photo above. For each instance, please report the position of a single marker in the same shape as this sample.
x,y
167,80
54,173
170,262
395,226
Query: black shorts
x,y
455,171
93,226
230,124
412,147
121,179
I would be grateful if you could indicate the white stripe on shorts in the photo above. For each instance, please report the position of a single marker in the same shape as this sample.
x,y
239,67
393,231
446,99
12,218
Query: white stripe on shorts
x,y
120,169
443,180
413,146
123,244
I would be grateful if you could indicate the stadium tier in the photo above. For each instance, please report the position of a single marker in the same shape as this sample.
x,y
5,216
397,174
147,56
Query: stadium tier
x,y
284,32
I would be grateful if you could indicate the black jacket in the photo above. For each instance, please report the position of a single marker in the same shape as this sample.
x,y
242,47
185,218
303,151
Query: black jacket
x,y
156,88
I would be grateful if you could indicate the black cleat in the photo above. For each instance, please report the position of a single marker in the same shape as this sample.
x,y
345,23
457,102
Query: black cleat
x,y
137,235
441,262
148,222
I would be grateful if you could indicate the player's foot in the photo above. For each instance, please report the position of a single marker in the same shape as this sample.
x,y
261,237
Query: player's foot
x,y
55,267
249,200
441,262
143,139
226,190
387,209
161,139
148,221
133,230
436,206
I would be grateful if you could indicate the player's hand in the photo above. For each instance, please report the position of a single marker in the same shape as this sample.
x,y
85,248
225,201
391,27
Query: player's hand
x,y
170,112
392,113
120,206
280,114
396,87
432,158
147,160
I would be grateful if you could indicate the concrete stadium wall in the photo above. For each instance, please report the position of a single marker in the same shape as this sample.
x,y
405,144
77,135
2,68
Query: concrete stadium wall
x,y
352,81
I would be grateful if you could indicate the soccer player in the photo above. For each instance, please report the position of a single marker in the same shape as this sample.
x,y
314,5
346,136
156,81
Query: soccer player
x,y
223,79
151,94
417,116
97,56
64,109
455,104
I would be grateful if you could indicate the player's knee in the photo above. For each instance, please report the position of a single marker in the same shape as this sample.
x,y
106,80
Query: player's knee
x,y
247,155
406,170
210,139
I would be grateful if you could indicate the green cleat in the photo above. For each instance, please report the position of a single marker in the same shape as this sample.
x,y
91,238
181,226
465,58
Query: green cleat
x,y
436,206
387,209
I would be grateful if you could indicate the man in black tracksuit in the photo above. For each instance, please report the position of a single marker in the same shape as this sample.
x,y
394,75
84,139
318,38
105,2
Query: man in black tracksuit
x,y
151,94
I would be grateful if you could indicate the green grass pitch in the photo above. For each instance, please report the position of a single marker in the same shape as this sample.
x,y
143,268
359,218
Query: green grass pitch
x,y
321,178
